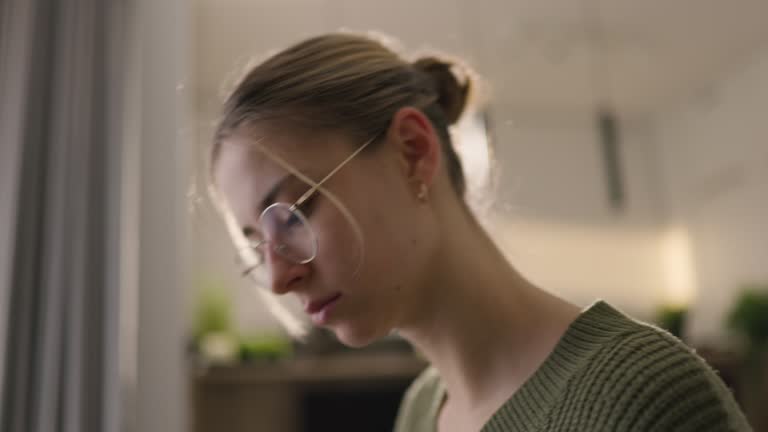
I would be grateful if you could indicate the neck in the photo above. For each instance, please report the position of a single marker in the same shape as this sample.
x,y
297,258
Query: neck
x,y
481,323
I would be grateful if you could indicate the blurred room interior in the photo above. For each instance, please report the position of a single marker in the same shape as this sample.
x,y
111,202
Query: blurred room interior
x,y
621,154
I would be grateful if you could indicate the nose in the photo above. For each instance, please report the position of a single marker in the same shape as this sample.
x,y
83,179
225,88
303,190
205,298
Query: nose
x,y
284,274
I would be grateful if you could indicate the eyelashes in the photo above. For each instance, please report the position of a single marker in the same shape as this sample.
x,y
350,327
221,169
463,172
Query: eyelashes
x,y
308,205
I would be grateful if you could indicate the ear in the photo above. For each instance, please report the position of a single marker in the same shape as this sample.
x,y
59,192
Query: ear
x,y
417,145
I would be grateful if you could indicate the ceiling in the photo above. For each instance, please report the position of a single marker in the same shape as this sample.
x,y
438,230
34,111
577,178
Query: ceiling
x,y
537,56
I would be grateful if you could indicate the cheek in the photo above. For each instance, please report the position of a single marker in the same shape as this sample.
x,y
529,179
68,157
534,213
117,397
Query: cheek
x,y
371,257
388,251
339,250
388,219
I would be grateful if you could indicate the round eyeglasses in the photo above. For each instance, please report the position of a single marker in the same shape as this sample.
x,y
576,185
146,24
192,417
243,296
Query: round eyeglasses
x,y
287,230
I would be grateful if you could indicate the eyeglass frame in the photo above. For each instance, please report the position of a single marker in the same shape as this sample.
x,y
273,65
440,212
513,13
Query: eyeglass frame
x,y
294,209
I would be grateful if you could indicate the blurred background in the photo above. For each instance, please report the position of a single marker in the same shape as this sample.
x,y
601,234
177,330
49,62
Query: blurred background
x,y
621,154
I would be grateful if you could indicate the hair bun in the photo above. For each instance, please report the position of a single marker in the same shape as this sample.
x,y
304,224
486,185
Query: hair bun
x,y
452,95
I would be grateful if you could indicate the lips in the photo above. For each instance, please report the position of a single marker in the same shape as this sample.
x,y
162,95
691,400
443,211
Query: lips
x,y
316,306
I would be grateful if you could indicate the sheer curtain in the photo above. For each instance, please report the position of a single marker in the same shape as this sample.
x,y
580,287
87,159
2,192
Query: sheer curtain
x,y
92,216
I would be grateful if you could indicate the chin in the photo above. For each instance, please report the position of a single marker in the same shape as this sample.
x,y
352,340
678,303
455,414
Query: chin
x,y
357,336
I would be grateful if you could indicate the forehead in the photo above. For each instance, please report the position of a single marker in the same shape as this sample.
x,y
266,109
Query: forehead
x,y
241,159
246,169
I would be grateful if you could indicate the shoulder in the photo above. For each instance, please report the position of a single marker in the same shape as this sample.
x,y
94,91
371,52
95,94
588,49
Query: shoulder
x,y
646,379
420,403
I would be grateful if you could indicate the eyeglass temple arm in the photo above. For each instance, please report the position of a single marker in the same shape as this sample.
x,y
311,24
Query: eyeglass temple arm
x,y
314,188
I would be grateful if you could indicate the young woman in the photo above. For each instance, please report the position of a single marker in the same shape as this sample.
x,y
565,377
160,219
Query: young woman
x,y
335,172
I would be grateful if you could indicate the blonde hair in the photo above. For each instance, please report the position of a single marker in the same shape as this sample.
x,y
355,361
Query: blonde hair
x,y
353,83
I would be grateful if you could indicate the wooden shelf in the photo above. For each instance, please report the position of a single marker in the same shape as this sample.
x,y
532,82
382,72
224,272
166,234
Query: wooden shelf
x,y
337,367
291,395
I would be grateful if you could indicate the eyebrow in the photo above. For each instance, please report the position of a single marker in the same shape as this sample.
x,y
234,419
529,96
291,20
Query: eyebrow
x,y
268,200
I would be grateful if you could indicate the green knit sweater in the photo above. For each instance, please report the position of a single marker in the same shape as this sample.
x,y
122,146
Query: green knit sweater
x,y
608,372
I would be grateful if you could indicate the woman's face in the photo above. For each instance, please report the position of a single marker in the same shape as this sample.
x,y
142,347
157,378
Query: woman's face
x,y
360,290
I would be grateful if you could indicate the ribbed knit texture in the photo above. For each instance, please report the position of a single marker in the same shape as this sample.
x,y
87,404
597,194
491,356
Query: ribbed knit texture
x,y
607,373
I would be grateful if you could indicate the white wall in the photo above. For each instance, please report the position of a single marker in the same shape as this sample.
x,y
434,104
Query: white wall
x,y
714,158
555,222
622,265
551,168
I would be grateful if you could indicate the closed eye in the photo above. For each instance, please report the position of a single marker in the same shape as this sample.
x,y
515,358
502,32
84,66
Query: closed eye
x,y
293,220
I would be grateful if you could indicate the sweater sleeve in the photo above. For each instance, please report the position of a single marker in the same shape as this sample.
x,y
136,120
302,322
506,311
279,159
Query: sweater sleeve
x,y
662,385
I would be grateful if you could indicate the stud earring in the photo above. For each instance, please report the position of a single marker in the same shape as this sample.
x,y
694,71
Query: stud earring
x,y
422,195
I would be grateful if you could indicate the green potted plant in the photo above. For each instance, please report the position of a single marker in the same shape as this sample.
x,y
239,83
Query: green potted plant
x,y
672,319
749,319
214,337
264,347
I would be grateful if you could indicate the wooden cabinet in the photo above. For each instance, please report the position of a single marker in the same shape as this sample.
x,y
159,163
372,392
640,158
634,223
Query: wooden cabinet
x,y
341,392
